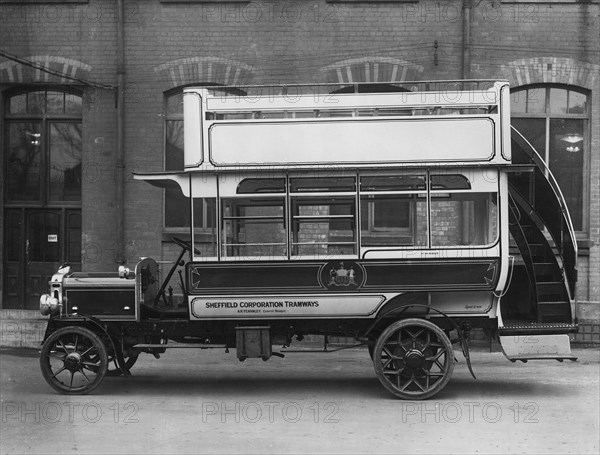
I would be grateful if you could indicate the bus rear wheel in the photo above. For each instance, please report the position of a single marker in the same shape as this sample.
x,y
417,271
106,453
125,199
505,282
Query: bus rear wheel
x,y
413,359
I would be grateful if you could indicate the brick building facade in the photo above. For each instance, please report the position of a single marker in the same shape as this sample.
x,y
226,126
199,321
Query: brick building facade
x,y
102,79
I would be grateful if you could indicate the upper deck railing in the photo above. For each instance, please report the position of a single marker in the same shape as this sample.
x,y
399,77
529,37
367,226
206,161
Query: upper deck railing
x,y
350,126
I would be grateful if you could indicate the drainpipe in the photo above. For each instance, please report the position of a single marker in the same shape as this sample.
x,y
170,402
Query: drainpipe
x,y
466,39
120,161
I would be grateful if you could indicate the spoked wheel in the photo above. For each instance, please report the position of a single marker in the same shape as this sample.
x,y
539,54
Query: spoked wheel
x,y
74,360
413,359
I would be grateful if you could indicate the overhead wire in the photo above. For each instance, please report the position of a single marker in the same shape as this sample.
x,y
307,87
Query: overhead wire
x,y
45,69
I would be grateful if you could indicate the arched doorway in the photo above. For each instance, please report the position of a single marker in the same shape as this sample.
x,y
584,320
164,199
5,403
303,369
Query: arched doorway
x,y
42,190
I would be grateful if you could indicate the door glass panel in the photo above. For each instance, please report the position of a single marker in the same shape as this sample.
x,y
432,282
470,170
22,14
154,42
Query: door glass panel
x,y
14,241
44,236
23,161
566,163
65,161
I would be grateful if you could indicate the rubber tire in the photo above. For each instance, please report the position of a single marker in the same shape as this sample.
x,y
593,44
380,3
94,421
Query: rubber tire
x,y
47,371
413,322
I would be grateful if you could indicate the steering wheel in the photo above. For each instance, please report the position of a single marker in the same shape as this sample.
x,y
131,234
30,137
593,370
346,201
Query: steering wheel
x,y
185,245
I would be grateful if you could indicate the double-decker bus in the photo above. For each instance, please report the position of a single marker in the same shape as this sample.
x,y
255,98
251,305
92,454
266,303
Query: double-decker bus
x,y
403,216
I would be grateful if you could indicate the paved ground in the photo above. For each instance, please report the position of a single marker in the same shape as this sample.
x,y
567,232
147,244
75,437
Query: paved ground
x,y
208,402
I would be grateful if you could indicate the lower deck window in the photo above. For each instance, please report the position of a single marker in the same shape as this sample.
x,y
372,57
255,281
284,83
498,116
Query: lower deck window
x,y
253,228
323,226
312,218
461,219
394,220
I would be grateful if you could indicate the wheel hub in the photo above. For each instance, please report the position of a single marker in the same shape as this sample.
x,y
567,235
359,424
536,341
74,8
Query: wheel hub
x,y
73,361
414,358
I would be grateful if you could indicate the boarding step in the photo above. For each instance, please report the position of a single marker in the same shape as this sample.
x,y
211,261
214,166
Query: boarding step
x,y
522,327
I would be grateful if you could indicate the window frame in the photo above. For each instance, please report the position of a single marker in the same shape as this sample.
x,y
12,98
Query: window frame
x,y
45,120
293,200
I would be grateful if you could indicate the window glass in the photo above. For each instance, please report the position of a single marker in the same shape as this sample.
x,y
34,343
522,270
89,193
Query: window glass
x,y
518,101
43,157
18,104
65,161
322,184
254,228
175,104
14,243
55,103
566,151
577,103
536,100
450,182
558,101
323,226
261,186
36,102
23,161
394,220
463,219
73,104
392,182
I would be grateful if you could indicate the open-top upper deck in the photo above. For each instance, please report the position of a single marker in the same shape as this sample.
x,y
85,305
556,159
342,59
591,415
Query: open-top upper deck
x,y
296,127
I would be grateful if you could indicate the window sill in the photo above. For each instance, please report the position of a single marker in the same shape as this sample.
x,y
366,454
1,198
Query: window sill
x,y
583,246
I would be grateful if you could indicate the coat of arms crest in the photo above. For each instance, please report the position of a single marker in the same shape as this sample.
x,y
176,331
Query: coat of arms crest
x,y
342,276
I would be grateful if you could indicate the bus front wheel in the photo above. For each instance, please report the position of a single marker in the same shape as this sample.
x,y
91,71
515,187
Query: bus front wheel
x,y
413,359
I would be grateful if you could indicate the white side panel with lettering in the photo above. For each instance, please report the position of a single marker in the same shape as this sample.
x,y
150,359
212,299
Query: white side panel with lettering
x,y
262,307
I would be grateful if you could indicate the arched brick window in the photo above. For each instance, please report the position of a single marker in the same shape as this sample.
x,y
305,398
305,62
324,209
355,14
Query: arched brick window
x,y
555,120
42,147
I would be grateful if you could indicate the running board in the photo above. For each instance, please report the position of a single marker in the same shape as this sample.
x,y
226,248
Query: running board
x,y
530,347
180,346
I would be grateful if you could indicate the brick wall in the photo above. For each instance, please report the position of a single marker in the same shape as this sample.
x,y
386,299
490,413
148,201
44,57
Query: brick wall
x,y
173,44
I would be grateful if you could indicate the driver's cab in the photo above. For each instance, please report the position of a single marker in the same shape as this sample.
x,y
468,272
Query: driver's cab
x,y
155,297
121,296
